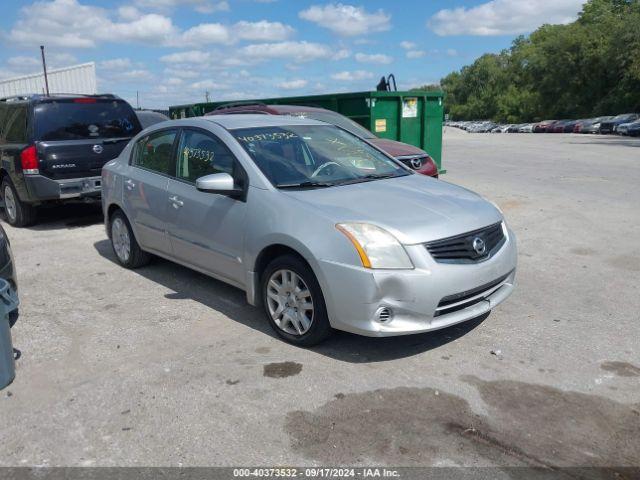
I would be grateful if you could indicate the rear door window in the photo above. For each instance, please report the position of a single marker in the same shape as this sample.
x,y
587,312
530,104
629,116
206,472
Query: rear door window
x,y
16,127
154,152
84,118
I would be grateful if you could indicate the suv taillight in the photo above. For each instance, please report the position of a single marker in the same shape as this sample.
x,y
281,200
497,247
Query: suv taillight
x,y
29,161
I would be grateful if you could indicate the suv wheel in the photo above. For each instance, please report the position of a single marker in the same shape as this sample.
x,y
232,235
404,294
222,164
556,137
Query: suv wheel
x,y
124,243
293,302
18,213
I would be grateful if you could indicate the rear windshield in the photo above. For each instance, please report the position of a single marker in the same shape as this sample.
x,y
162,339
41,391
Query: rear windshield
x,y
71,120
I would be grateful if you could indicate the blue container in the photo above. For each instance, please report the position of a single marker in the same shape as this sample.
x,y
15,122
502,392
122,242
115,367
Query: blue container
x,y
8,303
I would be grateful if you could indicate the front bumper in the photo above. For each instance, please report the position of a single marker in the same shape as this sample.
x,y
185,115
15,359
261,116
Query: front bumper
x,y
42,188
354,294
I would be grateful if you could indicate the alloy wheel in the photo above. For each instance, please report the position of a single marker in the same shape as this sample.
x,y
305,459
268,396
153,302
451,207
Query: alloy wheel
x,y
121,240
9,203
290,302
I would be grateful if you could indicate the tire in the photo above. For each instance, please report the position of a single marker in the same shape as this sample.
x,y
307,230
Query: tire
x,y
124,243
17,213
295,326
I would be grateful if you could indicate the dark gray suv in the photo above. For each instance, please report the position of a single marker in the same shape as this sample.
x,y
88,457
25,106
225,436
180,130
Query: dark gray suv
x,y
52,148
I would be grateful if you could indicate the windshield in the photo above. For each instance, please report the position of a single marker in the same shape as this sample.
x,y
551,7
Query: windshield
x,y
73,120
339,120
310,156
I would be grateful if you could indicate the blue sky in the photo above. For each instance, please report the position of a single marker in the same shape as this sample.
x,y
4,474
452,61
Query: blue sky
x,y
173,51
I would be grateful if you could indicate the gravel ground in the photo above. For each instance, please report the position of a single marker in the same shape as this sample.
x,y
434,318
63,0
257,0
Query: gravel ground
x,y
163,366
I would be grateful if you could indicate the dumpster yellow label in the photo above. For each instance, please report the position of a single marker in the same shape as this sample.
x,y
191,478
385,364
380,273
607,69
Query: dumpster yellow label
x,y
410,107
381,125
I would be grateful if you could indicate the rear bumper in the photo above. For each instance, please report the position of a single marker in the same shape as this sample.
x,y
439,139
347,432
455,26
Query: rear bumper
x,y
42,188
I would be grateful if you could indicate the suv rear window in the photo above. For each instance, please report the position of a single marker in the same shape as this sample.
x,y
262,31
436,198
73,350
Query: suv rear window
x,y
84,118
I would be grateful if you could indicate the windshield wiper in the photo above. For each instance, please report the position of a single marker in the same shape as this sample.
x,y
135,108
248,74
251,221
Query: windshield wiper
x,y
369,177
307,184
116,140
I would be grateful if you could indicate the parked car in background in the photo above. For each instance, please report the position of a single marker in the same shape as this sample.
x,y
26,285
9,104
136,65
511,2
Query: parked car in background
x,y
609,126
542,127
8,269
526,128
593,126
316,225
633,129
149,117
413,157
53,148
626,128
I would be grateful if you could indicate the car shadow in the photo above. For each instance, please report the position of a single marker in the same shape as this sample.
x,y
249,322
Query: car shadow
x,y
231,302
66,216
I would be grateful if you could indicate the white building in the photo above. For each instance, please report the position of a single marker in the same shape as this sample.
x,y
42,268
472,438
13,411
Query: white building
x,y
74,79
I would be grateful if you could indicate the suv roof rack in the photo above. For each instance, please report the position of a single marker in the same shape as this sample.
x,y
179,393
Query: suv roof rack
x,y
29,96
240,104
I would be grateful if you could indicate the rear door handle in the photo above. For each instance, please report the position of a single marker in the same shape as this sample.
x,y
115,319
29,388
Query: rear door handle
x,y
130,184
177,203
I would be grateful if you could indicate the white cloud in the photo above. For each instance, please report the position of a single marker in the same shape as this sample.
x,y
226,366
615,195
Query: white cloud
x,y
174,81
452,52
208,84
416,53
352,76
347,20
23,64
140,74
262,31
503,17
408,45
212,7
297,51
292,84
129,13
341,54
189,56
205,33
181,73
374,58
68,23
202,6
115,64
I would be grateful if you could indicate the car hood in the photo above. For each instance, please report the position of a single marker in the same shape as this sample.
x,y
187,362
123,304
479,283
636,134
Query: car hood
x,y
414,208
394,148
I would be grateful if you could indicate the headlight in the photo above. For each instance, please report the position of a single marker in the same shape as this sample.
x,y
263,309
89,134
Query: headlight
x,y
376,247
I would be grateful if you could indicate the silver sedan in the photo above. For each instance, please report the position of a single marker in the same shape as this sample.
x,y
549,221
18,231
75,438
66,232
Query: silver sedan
x,y
317,226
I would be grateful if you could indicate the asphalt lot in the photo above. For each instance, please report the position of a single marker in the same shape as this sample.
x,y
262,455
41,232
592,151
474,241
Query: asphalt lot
x,y
164,366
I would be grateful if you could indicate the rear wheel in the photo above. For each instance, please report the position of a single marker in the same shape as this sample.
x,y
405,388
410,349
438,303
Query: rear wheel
x,y
293,302
124,243
18,213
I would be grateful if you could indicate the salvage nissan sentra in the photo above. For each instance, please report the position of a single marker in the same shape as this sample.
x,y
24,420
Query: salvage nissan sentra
x,y
319,227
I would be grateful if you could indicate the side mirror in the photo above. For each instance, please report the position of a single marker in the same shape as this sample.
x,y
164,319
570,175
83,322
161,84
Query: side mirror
x,y
221,183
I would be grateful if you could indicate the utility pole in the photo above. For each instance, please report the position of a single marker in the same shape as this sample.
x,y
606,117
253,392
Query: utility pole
x,y
137,100
206,96
44,68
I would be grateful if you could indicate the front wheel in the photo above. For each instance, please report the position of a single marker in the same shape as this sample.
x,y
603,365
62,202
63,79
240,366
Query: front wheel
x,y
293,302
124,243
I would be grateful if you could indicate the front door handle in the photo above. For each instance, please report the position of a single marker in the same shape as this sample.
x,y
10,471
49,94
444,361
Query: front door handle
x,y
176,202
130,184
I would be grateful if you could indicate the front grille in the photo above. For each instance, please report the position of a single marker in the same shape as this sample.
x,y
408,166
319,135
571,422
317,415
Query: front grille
x,y
468,298
466,248
413,161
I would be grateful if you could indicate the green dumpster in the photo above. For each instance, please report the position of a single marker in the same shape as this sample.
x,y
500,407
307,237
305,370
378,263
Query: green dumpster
x,y
413,117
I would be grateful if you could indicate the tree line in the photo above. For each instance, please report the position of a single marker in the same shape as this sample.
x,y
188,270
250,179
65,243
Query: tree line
x,y
587,68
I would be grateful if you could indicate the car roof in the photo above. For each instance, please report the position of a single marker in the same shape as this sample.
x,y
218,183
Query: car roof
x,y
231,121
